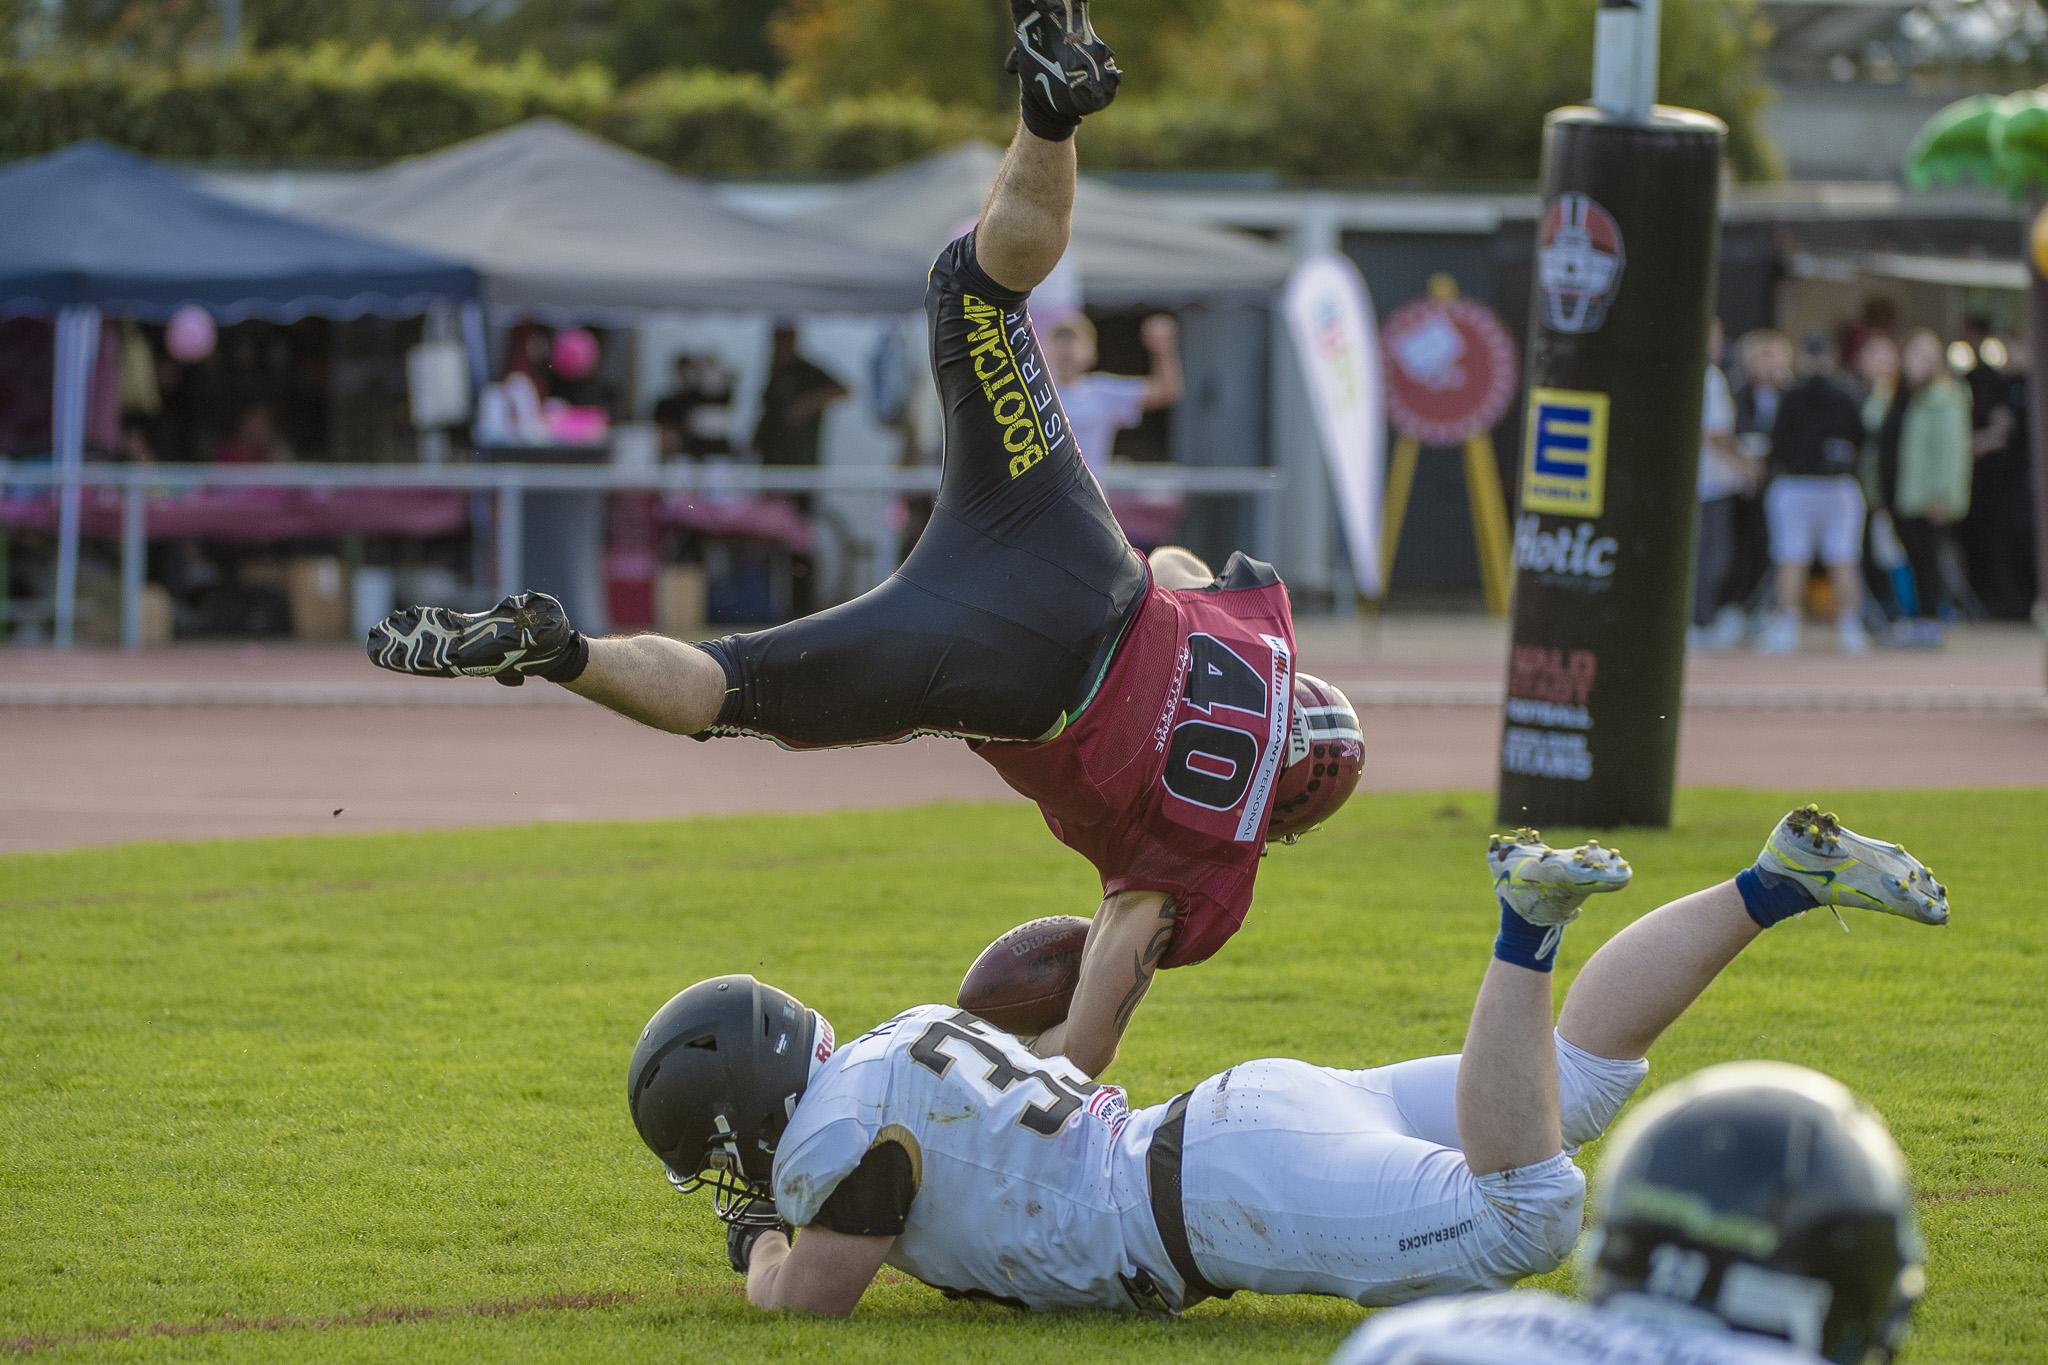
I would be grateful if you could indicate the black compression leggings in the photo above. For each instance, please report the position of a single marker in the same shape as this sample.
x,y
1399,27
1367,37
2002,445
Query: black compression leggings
x,y
1004,616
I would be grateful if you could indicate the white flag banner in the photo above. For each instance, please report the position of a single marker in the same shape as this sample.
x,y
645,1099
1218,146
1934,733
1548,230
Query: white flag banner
x,y
1329,315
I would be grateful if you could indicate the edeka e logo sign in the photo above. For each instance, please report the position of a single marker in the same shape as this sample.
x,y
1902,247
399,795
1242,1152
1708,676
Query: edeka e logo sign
x,y
1564,452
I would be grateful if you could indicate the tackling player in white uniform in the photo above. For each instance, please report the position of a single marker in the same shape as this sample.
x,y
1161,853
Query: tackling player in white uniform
x,y
945,1147
1752,1214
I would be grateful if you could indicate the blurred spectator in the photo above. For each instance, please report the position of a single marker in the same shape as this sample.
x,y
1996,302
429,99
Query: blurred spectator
x,y
1877,365
526,352
1765,357
793,404
1880,319
1985,376
27,370
1924,464
169,433
1100,405
142,401
255,440
1998,534
1763,371
135,446
695,417
1813,505
1725,472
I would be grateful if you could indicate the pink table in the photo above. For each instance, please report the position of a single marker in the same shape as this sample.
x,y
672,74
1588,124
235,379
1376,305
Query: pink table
x,y
257,514
1150,519
739,516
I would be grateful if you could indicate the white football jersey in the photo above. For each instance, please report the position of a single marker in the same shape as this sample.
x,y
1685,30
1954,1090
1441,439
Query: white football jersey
x,y
1530,1327
1030,1178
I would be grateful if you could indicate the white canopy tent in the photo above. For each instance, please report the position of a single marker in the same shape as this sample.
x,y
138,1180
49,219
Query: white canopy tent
x,y
566,226
1128,251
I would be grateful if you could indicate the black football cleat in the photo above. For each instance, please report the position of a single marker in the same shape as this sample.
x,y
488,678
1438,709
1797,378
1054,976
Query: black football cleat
x,y
1066,70
526,633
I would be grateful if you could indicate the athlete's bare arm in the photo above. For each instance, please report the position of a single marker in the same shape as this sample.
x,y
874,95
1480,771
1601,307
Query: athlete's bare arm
x,y
825,1272
1166,384
1030,211
1132,932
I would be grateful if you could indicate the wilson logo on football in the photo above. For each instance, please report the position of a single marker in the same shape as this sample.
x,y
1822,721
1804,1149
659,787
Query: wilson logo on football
x,y
1579,257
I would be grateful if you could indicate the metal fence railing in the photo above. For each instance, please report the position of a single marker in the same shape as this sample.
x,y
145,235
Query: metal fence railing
x,y
506,482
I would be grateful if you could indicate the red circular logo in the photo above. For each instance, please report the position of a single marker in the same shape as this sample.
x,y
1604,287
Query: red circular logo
x,y
1450,367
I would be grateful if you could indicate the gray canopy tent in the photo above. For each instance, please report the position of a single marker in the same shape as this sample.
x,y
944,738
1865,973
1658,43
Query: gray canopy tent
x,y
566,226
1129,252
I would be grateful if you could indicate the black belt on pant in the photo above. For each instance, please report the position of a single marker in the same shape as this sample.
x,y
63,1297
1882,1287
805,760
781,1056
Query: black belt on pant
x,y
1162,1167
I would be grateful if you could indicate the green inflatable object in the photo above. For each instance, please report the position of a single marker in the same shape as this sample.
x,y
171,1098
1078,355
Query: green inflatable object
x,y
1988,139
1954,146
2019,141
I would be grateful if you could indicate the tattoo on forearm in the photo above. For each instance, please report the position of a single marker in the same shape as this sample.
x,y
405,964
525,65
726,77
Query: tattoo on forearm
x,y
1143,964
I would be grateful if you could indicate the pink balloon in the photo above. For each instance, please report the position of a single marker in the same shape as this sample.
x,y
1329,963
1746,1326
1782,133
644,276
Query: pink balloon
x,y
190,335
574,354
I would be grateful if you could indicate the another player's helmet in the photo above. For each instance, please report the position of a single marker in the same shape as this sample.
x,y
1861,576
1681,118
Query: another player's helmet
x,y
1325,754
715,1079
1766,1195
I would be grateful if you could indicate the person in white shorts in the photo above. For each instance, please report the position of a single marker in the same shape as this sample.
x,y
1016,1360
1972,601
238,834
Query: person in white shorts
x,y
1752,1214
946,1148
1813,507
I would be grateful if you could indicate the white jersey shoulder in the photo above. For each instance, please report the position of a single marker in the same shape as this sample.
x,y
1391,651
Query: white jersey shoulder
x,y
1530,1327
1024,1175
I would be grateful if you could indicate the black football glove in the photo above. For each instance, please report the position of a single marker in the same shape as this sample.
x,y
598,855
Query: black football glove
x,y
1066,71
749,1221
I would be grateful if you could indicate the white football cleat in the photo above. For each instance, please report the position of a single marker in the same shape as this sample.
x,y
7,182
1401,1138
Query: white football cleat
x,y
1546,885
1840,867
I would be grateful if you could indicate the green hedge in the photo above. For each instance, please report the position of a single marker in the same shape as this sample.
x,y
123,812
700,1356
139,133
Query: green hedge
x,y
333,104
328,104
324,104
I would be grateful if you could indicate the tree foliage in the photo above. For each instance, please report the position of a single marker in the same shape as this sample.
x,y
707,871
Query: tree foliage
x,y
630,38
1312,89
952,51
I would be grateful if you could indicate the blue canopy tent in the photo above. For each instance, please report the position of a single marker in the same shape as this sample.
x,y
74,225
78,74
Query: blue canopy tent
x,y
92,230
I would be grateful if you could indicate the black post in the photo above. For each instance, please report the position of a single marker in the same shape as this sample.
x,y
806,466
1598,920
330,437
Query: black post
x,y
1603,535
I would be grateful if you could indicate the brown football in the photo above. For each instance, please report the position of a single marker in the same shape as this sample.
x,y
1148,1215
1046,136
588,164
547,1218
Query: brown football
x,y
1024,981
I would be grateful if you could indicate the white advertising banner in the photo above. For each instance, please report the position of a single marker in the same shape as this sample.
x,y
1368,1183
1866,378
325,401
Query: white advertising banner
x,y
1329,315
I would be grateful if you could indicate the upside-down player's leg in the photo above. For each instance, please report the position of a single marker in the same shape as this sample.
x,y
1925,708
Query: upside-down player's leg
x,y
1007,612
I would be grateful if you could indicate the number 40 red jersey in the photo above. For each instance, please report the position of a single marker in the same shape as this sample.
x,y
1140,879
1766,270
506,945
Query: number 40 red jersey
x,y
1165,779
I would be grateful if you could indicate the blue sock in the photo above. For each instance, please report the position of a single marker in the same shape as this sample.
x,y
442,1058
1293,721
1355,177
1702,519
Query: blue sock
x,y
1772,899
1526,945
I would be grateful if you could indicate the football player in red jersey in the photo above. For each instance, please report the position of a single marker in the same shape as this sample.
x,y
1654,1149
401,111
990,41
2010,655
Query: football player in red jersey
x,y
1152,709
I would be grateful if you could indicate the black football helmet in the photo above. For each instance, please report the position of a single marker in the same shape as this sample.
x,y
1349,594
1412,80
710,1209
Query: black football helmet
x,y
714,1080
1766,1195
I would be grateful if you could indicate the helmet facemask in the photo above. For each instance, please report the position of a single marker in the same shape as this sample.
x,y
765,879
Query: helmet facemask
x,y
715,1080
1324,758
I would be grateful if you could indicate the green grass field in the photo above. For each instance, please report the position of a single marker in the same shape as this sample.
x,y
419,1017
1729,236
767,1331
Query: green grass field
x,y
362,1097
